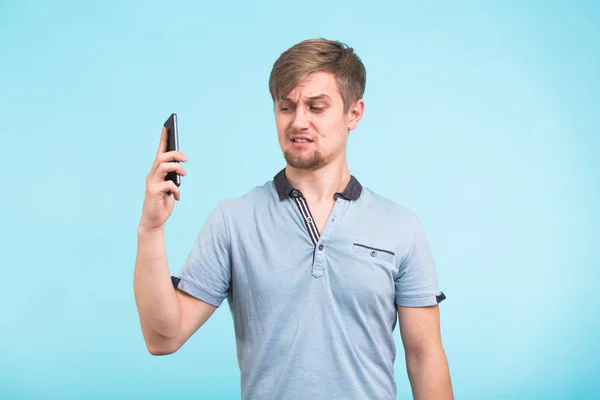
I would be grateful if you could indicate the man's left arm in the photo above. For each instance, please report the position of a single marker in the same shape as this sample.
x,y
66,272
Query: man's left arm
x,y
426,361
417,299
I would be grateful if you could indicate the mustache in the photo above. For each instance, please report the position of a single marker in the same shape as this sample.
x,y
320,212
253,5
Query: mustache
x,y
294,132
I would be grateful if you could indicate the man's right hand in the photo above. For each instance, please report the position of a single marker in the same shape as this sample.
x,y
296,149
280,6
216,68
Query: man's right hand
x,y
158,203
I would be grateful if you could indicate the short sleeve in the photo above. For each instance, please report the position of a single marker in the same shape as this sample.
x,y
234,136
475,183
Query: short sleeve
x,y
417,282
206,272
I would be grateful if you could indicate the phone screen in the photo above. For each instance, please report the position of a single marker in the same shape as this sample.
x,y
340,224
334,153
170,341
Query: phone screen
x,y
172,144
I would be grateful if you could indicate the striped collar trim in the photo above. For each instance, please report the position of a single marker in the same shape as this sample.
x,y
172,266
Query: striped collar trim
x,y
285,189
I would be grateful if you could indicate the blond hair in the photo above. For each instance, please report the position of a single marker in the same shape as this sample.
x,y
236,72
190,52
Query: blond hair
x,y
319,55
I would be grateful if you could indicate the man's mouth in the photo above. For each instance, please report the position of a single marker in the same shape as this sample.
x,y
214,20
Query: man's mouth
x,y
300,139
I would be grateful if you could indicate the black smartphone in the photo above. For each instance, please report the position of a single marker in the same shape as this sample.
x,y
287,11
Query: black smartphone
x,y
172,144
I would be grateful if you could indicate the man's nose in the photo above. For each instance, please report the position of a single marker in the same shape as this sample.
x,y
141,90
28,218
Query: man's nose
x,y
300,121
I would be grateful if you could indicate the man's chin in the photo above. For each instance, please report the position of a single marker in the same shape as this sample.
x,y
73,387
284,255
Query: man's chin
x,y
304,163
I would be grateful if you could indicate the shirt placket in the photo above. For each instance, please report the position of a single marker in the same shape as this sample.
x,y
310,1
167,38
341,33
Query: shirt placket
x,y
319,240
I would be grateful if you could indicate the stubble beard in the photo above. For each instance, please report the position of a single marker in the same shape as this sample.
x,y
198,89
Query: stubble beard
x,y
311,162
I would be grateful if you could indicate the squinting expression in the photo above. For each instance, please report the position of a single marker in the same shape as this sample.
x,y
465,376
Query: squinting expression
x,y
311,124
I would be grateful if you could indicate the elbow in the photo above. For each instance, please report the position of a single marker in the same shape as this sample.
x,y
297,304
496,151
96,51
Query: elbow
x,y
160,350
161,347
159,344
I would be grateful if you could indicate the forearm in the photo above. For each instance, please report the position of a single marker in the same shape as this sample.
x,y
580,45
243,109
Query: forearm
x,y
155,297
429,375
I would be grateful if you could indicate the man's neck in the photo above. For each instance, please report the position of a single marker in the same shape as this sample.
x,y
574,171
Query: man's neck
x,y
321,185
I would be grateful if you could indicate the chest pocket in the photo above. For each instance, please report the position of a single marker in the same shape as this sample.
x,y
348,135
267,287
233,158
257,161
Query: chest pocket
x,y
376,255
369,279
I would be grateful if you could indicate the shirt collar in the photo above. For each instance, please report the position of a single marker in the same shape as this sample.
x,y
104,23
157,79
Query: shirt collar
x,y
285,189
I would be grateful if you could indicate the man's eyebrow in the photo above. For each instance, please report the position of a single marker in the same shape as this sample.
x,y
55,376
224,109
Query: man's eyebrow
x,y
320,96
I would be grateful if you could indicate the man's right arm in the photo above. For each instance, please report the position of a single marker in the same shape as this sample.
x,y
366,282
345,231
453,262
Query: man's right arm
x,y
168,316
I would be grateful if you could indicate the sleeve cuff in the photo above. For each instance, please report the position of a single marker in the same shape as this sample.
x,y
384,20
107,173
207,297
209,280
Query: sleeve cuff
x,y
195,291
420,301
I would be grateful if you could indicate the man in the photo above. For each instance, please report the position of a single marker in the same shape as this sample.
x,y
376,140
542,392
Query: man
x,y
316,268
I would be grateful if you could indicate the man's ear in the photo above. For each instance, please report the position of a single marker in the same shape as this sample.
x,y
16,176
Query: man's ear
x,y
355,113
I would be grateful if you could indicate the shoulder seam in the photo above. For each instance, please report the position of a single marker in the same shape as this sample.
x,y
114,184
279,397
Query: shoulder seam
x,y
227,233
410,249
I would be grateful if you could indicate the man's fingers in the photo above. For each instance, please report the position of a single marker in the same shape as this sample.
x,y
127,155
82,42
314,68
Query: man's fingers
x,y
171,156
170,188
166,167
161,171
167,157
175,191
165,187
162,145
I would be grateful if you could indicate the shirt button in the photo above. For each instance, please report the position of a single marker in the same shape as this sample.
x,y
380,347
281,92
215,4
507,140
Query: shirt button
x,y
320,247
295,193
373,253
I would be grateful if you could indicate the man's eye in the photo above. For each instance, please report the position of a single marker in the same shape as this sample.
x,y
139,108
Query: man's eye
x,y
285,109
317,109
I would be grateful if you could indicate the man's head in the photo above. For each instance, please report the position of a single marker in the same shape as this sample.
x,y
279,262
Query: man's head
x,y
317,87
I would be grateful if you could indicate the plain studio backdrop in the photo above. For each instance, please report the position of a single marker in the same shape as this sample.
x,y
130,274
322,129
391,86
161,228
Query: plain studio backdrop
x,y
481,118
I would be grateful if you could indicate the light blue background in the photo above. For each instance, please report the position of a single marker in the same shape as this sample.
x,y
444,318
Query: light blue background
x,y
483,119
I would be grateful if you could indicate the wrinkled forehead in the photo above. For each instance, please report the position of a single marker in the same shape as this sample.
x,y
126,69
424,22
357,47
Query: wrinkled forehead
x,y
317,86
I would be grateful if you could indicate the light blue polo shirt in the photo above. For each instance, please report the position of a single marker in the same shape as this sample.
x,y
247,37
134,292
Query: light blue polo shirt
x,y
314,312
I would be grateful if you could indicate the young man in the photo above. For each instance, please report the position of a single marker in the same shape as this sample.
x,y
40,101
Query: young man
x,y
316,268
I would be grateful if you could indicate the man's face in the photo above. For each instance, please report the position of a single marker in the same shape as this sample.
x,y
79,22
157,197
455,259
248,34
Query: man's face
x,y
311,124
